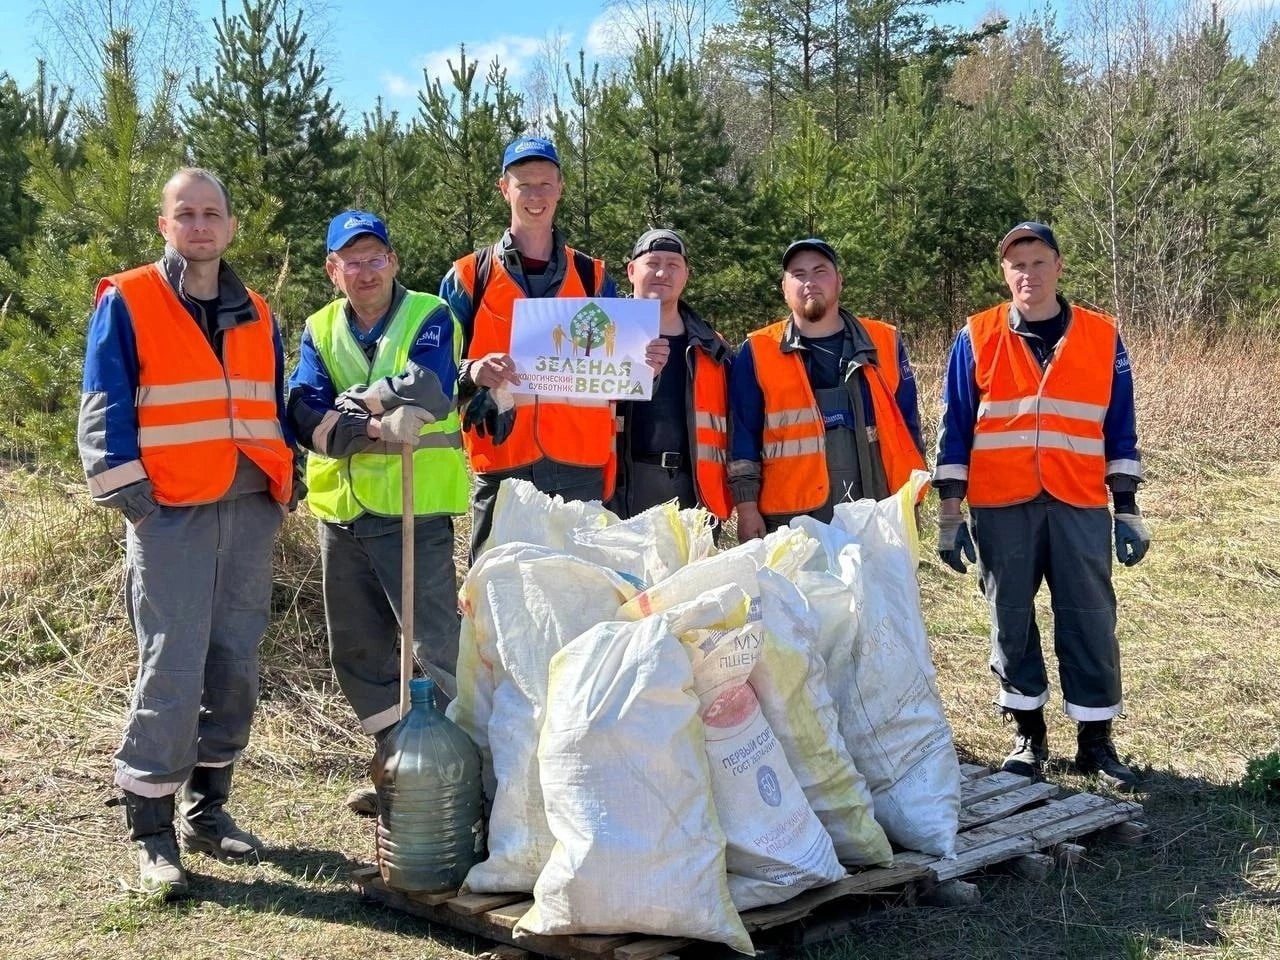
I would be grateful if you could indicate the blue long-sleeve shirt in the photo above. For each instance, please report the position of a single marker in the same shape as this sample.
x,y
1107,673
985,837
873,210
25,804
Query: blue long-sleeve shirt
x,y
961,400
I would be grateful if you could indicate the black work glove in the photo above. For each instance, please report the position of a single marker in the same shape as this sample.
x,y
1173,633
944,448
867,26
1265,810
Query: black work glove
x,y
502,425
1132,538
954,543
484,416
299,492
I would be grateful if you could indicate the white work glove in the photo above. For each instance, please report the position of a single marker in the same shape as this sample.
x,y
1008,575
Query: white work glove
x,y
405,423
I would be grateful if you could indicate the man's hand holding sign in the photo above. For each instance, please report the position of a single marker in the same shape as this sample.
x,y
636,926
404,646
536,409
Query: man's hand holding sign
x,y
590,348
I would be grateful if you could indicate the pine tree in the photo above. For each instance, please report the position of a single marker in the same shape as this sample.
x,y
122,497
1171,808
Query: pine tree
x,y
809,169
17,208
579,139
1217,262
663,161
465,128
387,161
267,123
35,115
1011,93
97,217
391,178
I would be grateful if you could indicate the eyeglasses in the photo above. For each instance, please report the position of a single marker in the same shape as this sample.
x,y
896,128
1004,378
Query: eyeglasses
x,y
352,268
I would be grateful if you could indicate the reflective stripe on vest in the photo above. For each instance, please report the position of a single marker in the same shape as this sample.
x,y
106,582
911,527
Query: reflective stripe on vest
x,y
793,447
898,451
196,414
1040,429
576,432
710,440
339,490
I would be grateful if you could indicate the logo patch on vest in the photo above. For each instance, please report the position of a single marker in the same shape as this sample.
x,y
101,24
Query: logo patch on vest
x,y
430,336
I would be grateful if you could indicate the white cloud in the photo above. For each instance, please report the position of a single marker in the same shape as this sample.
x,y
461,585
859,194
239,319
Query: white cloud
x,y
397,86
513,52
604,36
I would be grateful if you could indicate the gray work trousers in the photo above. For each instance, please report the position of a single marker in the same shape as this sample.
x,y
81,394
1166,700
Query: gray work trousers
x,y
361,578
1069,547
551,477
198,589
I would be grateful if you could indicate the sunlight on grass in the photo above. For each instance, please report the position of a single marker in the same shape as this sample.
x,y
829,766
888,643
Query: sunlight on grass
x,y
1201,648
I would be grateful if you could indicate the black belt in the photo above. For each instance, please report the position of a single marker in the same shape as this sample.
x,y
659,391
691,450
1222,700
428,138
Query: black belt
x,y
667,460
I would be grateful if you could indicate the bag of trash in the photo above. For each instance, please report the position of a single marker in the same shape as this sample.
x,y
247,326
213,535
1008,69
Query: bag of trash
x,y
639,847
520,604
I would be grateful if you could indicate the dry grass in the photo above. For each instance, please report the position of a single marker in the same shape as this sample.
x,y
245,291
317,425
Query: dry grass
x,y
1202,661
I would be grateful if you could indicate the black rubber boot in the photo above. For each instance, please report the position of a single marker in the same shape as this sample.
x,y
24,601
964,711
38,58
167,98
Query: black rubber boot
x,y
1030,744
203,823
1097,754
150,824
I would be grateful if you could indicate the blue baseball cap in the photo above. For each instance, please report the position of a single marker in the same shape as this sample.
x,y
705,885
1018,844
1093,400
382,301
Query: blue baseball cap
x,y
350,224
1029,230
529,148
815,244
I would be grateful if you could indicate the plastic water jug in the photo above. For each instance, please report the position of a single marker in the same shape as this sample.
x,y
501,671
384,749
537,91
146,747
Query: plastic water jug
x,y
430,806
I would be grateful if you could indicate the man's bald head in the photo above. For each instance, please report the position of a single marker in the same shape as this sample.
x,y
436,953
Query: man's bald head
x,y
186,174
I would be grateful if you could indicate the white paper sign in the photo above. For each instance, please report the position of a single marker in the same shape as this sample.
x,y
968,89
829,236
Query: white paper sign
x,y
591,348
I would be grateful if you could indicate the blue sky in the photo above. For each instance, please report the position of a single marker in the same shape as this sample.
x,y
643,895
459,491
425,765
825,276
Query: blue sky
x,y
381,48
376,48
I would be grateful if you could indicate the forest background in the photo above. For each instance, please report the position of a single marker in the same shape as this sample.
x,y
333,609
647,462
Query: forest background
x,y
1147,134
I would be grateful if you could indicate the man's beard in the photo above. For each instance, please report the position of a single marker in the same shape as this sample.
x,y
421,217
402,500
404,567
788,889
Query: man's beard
x,y
814,308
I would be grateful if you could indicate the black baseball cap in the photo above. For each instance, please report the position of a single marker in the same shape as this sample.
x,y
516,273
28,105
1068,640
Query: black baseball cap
x,y
667,241
1029,229
815,244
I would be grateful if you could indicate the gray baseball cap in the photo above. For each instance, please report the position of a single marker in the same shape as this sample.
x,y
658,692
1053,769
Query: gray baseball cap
x,y
667,241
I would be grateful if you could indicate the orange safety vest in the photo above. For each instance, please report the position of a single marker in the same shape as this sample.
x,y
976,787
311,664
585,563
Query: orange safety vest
x,y
576,432
711,435
1041,429
196,415
793,450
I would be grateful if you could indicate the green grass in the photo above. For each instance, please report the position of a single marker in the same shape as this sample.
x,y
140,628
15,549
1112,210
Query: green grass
x,y
1199,632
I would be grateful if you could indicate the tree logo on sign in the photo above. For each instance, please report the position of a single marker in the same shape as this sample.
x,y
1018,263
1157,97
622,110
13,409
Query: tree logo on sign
x,y
590,328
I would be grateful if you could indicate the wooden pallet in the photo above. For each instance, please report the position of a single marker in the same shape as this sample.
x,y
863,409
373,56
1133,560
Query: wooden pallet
x,y
1026,827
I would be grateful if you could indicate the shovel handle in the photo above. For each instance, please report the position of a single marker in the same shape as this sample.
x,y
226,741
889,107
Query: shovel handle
x,y
406,573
